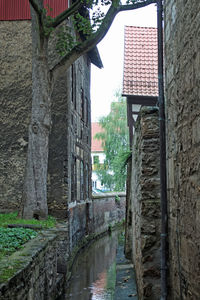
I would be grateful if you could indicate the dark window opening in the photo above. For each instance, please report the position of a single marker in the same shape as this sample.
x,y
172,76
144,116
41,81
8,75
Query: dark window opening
x,y
88,111
73,85
73,179
82,181
86,181
82,104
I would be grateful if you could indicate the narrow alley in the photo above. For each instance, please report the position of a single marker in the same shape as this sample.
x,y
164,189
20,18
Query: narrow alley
x,y
101,272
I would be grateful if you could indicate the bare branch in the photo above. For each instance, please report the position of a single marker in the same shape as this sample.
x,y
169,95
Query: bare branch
x,y
65,14
136,5
35,7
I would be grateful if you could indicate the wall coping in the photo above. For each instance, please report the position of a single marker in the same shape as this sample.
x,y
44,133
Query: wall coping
x,y
25,256
108,195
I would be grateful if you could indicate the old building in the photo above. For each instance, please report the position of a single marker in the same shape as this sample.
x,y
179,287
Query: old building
x,y
97,155
69,171
182,95
140,86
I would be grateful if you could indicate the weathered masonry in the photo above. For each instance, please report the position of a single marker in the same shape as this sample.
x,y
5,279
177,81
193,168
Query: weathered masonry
x,y
182,94
145,204
143,194
40,269
69,171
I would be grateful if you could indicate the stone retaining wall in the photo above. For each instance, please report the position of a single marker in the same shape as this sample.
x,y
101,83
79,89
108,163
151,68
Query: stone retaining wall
x,y
145,202
95,216
38,271
107,211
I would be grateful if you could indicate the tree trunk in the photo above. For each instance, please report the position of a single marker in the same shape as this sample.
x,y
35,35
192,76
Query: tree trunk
x,y
34,198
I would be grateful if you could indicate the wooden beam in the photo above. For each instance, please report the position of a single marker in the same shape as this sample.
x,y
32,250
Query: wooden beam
x,y
142,100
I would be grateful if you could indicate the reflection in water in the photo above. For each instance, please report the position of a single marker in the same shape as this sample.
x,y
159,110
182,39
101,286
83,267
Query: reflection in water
x,y
94,271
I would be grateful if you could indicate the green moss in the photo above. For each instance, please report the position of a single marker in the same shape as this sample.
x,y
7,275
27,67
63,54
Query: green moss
x,y
117,199
12,218
9,270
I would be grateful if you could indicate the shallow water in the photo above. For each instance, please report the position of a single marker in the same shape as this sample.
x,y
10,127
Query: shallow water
x,y
94,271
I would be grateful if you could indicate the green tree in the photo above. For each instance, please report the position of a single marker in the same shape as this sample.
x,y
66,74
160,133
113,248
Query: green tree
x,y
114,137
91,25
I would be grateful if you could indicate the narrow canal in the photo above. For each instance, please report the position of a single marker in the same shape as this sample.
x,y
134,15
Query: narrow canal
x,y
94,271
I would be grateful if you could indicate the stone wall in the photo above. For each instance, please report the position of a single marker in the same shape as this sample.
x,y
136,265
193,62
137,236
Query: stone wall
x,y
34,271
145,195
182,82
69,169
37,271
15,99
108,210
95,216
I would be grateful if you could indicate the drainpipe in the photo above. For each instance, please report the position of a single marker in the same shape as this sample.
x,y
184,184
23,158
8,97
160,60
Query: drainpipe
x,y
163,181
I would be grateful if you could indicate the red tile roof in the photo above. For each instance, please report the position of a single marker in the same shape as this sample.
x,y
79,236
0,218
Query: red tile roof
x,y
96,144
140,61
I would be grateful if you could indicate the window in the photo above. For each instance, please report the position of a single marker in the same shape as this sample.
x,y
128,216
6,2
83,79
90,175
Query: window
x,y
86,181
73,178
87,111
95,159
82,181
82,104
73,74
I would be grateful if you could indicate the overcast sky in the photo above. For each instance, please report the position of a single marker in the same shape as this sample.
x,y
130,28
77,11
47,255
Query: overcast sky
x,y
106,81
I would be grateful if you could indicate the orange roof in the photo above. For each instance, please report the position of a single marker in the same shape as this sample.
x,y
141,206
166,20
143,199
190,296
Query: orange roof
x,y
140,61
96,144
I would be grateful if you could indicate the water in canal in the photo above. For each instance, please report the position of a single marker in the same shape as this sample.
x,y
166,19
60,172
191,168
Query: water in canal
x,y
94,271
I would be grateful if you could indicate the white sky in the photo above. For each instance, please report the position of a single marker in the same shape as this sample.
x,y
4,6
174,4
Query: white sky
x,y
106,81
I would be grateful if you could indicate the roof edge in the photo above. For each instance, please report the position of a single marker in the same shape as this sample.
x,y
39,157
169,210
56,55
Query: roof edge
x,y
95,57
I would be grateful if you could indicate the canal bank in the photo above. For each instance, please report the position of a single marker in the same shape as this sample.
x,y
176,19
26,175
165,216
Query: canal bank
x,y
39,269
101,272
125,287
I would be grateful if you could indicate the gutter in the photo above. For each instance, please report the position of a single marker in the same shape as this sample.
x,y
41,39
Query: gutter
x,y
163,181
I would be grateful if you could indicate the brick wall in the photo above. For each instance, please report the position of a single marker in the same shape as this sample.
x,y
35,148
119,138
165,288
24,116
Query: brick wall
x,y
145,204
182,80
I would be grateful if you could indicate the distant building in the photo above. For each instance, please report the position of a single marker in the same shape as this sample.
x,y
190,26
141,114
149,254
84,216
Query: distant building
x,y
97,154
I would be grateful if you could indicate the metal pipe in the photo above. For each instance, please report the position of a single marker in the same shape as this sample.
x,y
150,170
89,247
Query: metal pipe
x,y
163,181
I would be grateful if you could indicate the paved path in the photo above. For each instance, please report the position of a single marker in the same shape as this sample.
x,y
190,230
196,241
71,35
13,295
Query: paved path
x,y
125,278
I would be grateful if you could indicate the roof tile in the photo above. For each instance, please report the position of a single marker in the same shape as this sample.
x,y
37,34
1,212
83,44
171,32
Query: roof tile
x,y
96,144
140,61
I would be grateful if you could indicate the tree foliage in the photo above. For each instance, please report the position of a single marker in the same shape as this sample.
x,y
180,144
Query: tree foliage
x,y
114,137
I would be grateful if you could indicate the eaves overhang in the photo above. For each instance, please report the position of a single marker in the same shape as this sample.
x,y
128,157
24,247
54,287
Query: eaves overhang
x,y
95,57
142,100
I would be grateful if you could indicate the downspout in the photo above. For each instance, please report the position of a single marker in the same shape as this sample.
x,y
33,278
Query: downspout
x,y
163,181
